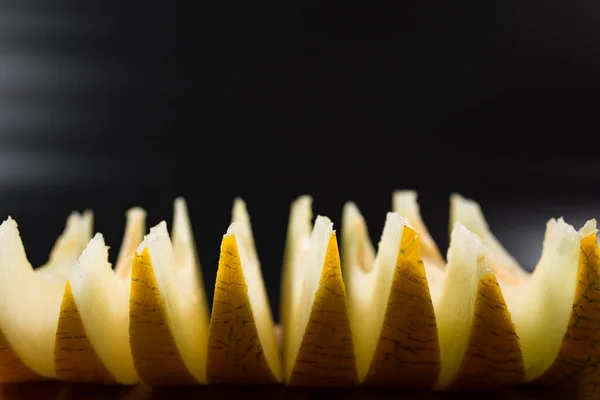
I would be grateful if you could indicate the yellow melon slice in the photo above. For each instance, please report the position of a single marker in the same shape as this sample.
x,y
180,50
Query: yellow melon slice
x,y
168,323
559,298
295,257
391,312
30,299
242,348
318,344
92,339
478,344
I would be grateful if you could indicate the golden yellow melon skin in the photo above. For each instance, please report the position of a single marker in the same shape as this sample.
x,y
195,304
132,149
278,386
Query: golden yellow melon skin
x,y
74,356
155,354
12,369
326,356
580,348
408,352
588,380
235,354
493,357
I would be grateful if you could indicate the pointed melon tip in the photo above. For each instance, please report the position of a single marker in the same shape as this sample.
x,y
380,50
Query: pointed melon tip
x,y
469,213
408,195
135,213
87,221
351,215
96,249
180,209
96,241
405,201
239,210
351,208
466,240
8,224
179,201
238,201
232,229
72,220
462,204
323,223
468,243
303,201
589,228
158,232
396,219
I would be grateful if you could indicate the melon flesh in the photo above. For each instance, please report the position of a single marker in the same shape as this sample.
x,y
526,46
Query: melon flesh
x,y
168,314
469,213
68,247
180,289
102,299
369,281
404,202
381,298
257,291
319,349
30,300
454,299
296,251
450,340
541,301
544,302
306,286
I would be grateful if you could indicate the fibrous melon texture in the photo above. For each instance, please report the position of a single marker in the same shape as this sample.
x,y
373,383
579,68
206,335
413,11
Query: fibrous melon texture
x,y
398,313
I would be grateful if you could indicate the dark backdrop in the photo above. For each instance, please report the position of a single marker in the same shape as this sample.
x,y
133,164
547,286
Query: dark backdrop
x,y
106,105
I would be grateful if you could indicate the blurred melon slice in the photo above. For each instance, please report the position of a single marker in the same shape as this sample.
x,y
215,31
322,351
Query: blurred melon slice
x,y
295,257
470,215
68,247
555,307
391,312
242,348
319,349
30,299
92,340
168,314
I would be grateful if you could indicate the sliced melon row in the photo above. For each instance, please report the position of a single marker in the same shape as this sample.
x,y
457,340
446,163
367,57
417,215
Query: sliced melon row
x,y
398,314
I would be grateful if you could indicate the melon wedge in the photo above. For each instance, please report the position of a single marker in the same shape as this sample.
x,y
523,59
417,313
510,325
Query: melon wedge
x,y
168,315
412,331
92,340
30,299
478,344
295,257
390,306
318,344
555,307
241,348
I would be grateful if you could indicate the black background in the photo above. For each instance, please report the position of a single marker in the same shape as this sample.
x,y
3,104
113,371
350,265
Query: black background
x,y
107,105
